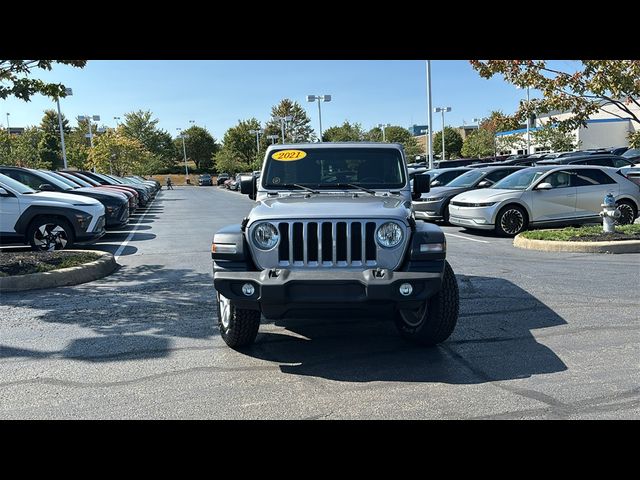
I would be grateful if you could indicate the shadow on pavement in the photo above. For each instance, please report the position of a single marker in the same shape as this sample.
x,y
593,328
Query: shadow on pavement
x,y
492,341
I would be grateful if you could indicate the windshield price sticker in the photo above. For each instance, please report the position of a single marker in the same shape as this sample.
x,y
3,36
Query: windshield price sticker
x,y
288,155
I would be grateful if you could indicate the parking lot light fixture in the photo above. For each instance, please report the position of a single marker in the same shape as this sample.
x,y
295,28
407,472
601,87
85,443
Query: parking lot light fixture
x,y
68,92
89,118
383,126
184,151
257,133
283,124
319,98
442,110
273,138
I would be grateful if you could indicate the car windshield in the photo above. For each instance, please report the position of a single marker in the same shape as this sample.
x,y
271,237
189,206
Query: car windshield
x,y
520,180
467,179
60,178
632,152
14,185
46,178
334,168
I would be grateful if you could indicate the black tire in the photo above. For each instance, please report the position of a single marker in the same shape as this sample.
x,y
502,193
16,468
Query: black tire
x,y
445,213
47,233
511,220
628,211
435,322
242,327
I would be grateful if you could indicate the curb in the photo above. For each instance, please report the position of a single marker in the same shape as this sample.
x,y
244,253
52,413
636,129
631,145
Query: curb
x,y
622,246
64,277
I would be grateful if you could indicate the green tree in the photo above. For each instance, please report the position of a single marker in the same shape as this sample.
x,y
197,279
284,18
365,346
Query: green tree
x,y
51,128
550,137
77,152
6,148
346,132
499,122
141,126
239,142
225,160
119,153
26,148
15,81
634,139
49,123
581,92
49,151
200,146
479,144
297,130
396,134
452,143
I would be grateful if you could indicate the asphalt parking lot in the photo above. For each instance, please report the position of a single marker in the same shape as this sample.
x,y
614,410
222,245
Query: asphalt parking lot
x,y
540,335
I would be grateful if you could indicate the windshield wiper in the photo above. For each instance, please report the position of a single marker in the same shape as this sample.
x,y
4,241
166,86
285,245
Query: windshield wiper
x,y
350,185
302,187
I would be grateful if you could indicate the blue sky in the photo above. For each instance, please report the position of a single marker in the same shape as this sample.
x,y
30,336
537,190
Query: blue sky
x,y
217,93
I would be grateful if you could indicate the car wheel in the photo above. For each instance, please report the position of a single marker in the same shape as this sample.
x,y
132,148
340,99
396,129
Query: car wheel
x,y
238,326
511,221
627,212
49,234
434,322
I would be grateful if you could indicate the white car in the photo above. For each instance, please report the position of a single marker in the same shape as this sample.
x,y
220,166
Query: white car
x,y
47,220
549,195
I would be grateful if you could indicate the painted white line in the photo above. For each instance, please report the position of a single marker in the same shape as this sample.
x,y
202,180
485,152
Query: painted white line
x,y
132,233
467,238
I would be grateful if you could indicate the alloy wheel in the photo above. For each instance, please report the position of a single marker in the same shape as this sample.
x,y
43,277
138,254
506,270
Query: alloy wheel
x,y
512,221
626,214
50,237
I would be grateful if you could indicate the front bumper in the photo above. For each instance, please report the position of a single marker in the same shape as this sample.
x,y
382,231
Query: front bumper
x,y
428,210
98,232
118,217
283,293
481,218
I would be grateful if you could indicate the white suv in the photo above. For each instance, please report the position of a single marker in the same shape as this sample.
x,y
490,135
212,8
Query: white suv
x,y
47,220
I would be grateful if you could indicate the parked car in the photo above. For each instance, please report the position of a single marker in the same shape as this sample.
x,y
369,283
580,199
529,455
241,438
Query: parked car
x,y
616,161
222,177
229,183
461,162
47,220
632,173
550,195
150,188
205,180
143,195
633,155
86,181
439,177
157,184
116,206
434,205
152,184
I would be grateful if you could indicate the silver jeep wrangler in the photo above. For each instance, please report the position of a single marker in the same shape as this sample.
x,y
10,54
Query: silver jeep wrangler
x,y
333,234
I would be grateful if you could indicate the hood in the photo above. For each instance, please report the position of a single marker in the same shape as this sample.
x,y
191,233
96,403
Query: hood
x,y
331,206
65,198
487,195
446,192
101,194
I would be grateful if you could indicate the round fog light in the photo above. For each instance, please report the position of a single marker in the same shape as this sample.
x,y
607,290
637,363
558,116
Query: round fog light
x,y
248,289
406,289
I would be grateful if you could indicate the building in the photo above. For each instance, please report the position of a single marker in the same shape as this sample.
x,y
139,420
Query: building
x,y
16,130
608,127
417,130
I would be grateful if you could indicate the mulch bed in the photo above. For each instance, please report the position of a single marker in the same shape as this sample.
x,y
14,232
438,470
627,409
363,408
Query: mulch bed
x,y
22,263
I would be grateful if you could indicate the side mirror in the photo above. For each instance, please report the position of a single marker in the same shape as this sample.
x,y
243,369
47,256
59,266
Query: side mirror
x,y
421,184
248,186
46,187
3,192
544,186
484,184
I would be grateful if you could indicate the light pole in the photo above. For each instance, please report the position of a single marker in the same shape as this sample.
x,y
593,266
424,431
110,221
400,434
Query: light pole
x,y
283,124
273,138
88,118
528,130
429,144
319,98
184,151
257,133
117,119
443,110
8,128
67,91
382,126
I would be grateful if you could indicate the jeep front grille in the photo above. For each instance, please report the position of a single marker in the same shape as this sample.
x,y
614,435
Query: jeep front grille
x,y
327,243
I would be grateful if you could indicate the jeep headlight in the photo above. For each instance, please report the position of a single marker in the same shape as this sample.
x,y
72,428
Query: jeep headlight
x,y
389,235
266,236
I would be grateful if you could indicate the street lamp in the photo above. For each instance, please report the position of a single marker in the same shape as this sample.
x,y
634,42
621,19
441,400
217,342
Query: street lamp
x,y
273,138
283,123
8,129
88,118
184,150
429,144
257,133
528,131
382,126
319,98
443,110
117,119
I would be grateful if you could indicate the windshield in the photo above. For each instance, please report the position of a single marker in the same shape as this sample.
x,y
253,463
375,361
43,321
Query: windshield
x,y
334,168
467,179
60,178
46,178
632,152
14,184
520,180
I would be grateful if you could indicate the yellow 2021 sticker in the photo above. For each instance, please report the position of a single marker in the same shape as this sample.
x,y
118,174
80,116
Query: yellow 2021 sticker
x,y
288,155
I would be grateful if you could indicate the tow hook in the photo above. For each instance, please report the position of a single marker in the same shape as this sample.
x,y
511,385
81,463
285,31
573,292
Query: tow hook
x,y
378,273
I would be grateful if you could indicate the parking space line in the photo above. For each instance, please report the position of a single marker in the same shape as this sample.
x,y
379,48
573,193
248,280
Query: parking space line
x,y
467,238
132,233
